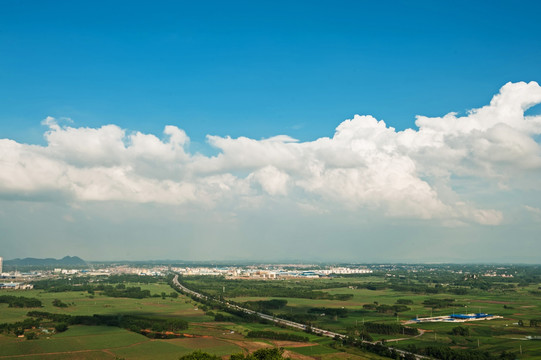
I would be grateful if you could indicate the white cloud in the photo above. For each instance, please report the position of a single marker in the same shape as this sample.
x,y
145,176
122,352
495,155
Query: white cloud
x,y
365,165
534,211
272,180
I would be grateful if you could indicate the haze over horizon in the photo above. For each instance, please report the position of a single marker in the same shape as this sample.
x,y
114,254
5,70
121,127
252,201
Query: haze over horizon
x,y
271,132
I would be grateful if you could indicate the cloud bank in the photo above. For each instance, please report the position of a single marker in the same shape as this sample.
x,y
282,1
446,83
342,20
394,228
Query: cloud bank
x,y
429,173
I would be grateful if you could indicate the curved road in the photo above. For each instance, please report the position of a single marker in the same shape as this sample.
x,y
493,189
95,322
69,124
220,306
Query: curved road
x,y
289,323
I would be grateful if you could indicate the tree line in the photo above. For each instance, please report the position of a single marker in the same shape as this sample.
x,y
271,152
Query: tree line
x,y
277,336
148,326
20,301
261,354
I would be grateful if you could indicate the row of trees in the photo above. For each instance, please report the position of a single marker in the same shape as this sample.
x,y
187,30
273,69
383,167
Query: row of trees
x,y
83,283
20,301
140,324
18,328
261,354
265,305
277,336
441,303
389,329
338,312
447,353
383,308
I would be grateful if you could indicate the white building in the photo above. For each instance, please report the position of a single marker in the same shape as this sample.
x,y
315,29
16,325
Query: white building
x,y
343,270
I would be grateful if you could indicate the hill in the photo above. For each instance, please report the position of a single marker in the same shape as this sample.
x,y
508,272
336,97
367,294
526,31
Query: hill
x,y
65,261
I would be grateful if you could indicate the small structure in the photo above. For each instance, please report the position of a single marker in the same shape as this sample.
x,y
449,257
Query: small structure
x,y
455,318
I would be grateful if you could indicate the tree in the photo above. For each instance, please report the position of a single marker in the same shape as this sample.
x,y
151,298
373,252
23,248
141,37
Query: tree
x,y
409,356
461,331
504,355
268,354
61,327
59,303
31,336
199,355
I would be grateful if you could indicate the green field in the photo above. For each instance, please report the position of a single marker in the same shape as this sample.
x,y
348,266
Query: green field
x,y
494,335
516,303
82,303
103,342
521,303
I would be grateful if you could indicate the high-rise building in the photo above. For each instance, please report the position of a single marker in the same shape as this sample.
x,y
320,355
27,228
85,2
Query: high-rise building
x,y
1,263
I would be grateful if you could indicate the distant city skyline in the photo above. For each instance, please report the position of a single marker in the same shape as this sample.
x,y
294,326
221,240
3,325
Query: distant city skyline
x,y
271,131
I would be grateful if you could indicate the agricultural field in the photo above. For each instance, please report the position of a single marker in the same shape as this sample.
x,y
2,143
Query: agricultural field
x,y
354,302
378,307
82,303
109,342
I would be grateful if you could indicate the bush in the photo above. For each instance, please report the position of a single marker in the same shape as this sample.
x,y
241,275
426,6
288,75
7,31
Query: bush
x,y
404,301
59,303
31,336
199,355
61,327
277,336
461,331
222,317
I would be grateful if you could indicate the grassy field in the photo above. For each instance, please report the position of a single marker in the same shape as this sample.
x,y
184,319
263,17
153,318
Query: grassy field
x,y
103,342
100,342
493,336
82,303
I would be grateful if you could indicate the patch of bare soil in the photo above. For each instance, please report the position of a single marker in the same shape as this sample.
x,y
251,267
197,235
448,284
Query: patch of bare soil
x,y
249,346
292,344
491,301
296,356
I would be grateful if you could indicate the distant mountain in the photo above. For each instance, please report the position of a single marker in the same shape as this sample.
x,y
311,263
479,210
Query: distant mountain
x,y
66,260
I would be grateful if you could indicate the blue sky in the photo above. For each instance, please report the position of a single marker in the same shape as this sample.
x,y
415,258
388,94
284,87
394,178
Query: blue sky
x,y
257,70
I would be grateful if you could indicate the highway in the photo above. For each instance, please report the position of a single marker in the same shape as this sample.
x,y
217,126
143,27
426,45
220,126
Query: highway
x,y
289,323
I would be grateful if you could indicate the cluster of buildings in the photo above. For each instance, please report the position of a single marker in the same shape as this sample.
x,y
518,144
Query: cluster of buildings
x,y
270,273
456,318
494,274
17,279
11,285
115,270
16,286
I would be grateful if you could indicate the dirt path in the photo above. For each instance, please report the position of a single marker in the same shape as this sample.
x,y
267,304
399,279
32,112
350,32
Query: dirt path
x,y
421,332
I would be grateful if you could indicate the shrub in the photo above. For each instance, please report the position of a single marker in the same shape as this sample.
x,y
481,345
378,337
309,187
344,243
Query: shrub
x,y
61,327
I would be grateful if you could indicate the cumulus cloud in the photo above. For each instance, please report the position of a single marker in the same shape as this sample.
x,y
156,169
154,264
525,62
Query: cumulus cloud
x,y
364,165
